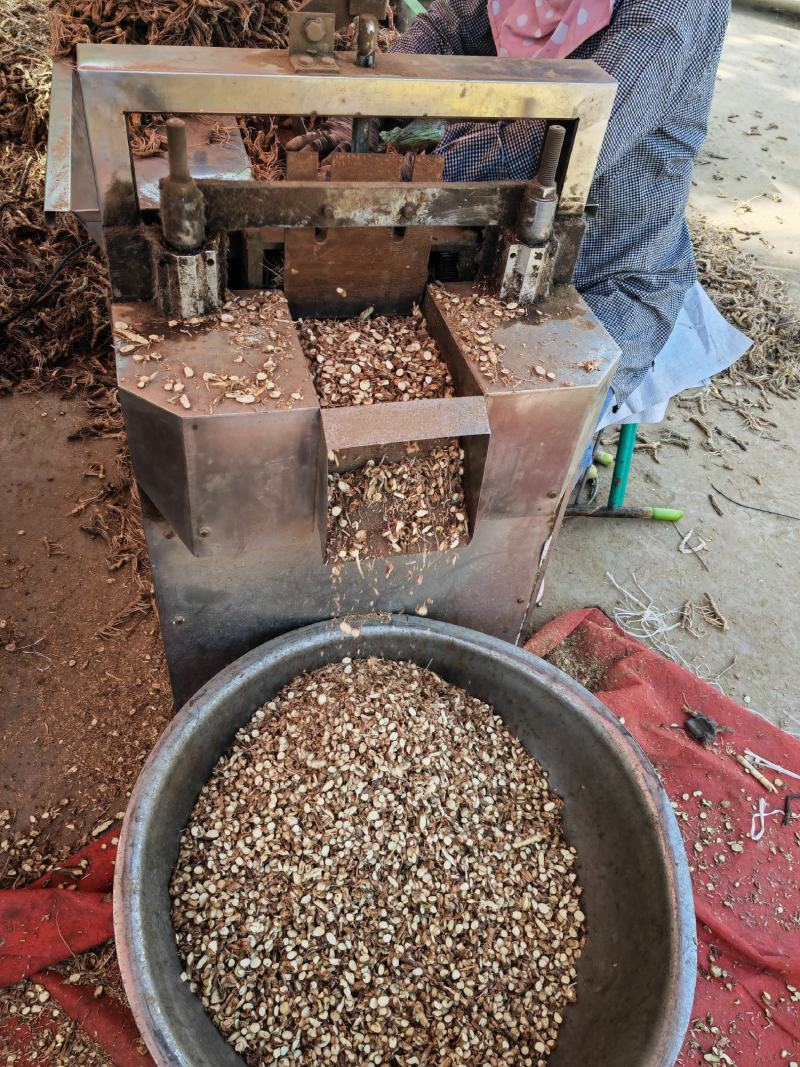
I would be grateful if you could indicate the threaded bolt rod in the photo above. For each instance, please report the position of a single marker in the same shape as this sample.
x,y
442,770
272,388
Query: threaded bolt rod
x,y
551,154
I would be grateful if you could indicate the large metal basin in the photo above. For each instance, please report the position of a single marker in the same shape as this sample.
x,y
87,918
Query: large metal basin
x,y
637,974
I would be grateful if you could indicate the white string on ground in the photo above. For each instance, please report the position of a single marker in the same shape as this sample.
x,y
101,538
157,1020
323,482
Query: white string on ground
x,y
760,817
643,620
761,762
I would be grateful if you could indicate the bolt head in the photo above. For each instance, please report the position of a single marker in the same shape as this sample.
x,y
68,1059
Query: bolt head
x,y
314,30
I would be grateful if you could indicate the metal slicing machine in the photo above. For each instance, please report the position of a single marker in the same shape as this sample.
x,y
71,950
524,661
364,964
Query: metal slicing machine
x,y
235,496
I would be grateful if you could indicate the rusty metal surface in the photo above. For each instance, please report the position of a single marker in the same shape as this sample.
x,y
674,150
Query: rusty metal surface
x,y
561,335
116,79
221,474
250,258
343,271
372,167
636,980
428,168
302,166
235,497
525,271
69,181
238,554
188,284
207,159
236,206
311,39
412,420
206,349
258,241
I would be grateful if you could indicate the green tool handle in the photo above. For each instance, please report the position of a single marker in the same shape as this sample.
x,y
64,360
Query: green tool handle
x,y
622,464
660,514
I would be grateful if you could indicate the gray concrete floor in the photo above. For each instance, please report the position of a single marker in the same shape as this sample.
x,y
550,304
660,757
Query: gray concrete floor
x,y
750,565
748,174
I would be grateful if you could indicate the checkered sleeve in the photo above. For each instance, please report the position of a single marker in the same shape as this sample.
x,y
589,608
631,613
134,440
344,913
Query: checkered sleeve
x,y
449,28
636,262
473,151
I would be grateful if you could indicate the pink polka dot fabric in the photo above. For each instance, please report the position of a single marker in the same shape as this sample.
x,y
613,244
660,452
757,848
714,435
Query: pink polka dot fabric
x,y
545,29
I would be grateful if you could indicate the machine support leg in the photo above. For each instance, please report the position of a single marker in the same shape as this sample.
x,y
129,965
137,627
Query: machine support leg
x,y
622,465
361,135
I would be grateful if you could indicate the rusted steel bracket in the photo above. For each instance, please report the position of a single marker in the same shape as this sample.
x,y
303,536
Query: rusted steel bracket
x,y
311,39
232,205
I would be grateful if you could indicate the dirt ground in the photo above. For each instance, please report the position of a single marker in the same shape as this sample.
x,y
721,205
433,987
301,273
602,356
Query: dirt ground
x,y
80,711
748,177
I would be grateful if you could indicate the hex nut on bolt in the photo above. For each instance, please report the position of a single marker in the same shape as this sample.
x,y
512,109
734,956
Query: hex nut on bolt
x,y
314,30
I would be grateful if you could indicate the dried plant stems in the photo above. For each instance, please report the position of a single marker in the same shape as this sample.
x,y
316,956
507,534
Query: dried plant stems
x,y
415,504
226,23
24,73
72,317
376,872
755,301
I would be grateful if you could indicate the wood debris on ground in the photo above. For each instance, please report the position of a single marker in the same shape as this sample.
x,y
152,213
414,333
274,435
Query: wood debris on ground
x,y
374,359
57,1037
666,437
360,882
70,320
408,505
475,317
755,301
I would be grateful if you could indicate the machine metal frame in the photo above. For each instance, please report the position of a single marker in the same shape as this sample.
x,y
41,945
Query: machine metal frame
x,y
116,80
235,499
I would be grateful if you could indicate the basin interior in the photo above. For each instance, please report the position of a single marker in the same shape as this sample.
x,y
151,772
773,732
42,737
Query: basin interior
x,y
636,976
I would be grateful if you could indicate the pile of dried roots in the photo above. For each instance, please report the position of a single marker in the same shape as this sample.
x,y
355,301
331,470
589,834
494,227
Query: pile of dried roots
x,y
224,23
24,73
757,303
41,330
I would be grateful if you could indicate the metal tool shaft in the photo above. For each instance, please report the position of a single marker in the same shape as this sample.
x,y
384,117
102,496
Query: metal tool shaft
x,y
540,199
366,40
177,150
182,208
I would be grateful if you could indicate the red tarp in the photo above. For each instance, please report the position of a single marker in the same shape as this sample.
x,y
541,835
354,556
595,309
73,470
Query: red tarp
x,y
747,902
58,916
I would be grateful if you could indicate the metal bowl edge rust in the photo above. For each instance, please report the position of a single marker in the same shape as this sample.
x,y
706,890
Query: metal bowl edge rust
x,y
637,974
